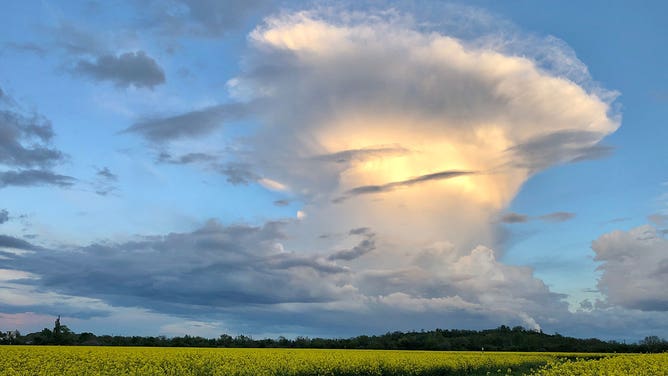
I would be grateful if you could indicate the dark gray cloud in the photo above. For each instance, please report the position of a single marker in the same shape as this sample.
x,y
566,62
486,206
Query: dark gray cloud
x,y
25,178
4,216
213,266
366,245
514,218
25,138
187,125
282,202
557,217
12,242
208,18
130,68
25,144
242,273
369,189
562,146
634,267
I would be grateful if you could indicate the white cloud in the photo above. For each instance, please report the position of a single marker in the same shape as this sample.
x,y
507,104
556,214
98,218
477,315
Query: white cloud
x,y
635,268
342,93
331,84
272,184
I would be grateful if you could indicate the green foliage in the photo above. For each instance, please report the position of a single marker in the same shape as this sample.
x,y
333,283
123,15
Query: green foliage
x,y
502,338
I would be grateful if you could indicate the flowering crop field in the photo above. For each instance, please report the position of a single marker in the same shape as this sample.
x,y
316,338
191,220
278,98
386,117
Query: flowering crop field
x,y
53,360
623,364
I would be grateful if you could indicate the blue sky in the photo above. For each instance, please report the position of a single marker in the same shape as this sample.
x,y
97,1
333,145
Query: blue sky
x,y
333,168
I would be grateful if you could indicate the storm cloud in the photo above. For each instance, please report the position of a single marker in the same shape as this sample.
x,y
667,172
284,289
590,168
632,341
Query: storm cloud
x,y
213,266
246,270
442,131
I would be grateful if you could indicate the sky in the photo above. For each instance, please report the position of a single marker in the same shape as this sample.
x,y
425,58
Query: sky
x,y
314,168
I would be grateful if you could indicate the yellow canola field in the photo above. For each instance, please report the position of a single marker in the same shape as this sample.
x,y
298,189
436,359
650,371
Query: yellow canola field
x,y
622,364
81,361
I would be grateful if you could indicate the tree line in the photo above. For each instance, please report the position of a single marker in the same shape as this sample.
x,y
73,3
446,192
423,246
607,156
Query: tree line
x,y
502,338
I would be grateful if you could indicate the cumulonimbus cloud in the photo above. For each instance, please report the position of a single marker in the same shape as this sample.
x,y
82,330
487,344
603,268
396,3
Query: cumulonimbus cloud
x,y
473,122
352,86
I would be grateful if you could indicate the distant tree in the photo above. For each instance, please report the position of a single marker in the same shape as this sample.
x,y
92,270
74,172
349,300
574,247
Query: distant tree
x,y
653,344
57,327
225,340
652,340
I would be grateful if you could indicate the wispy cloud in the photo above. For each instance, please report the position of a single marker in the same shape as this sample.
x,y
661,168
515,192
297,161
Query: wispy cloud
x,y
27,47
189,158
26,178
190,124
369,189
346,156
557,217
514,218
563,146
511,218
105,181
